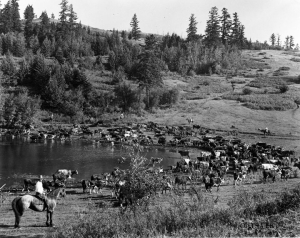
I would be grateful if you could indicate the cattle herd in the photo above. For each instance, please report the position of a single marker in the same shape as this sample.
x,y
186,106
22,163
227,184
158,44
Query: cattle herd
x,y
218,157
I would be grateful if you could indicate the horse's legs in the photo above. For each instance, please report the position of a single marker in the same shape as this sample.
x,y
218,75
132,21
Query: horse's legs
x,y
49,219
48,215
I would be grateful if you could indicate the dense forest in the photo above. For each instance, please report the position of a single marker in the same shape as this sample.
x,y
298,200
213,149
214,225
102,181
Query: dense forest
x,y
46,62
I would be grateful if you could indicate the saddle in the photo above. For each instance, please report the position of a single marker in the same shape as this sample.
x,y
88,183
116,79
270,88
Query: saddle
x,y
42,199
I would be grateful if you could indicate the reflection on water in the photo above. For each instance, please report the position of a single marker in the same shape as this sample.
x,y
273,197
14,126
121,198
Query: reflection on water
x,y
20,156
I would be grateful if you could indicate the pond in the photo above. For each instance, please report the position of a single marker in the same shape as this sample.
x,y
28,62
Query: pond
x,y
19,157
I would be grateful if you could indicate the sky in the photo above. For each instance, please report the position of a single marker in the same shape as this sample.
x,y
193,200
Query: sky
x,y
261,18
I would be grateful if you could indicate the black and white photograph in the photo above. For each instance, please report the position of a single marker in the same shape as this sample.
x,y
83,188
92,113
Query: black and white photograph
x,y
139,118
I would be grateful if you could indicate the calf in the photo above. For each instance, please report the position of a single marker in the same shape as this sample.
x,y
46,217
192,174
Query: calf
x,y
285,174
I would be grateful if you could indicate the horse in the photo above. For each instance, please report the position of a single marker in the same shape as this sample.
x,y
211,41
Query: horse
x,y
22,203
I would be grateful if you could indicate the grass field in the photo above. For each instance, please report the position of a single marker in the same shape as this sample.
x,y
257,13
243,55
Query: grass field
x,y
212,103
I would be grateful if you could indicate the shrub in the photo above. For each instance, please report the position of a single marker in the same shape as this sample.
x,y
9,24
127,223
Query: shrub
x,y
283,88
247,91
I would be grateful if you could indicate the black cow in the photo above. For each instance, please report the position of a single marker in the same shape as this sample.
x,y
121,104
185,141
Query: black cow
x,y
212,181
285,173
182,180
269,174
184,153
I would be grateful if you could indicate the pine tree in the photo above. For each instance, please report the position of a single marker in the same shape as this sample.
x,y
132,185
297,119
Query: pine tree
x,y
6,18
225,21
150,42
291,43
28,28
52,16
19,46
63,14
16,21
135,32
149,73
287,42
241,41
46,48
192,30
72,16
212,31
273,39
278,41
235,30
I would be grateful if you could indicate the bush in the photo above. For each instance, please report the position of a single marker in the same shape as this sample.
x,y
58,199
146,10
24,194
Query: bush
x,y
247,91
283,88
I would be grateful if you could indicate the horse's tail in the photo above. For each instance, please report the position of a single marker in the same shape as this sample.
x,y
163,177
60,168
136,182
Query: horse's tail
x,y
17,213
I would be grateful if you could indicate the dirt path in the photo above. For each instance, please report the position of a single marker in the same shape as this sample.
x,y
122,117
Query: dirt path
x,y
33,223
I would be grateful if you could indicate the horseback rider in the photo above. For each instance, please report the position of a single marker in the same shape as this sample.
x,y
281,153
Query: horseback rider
x,y
39,190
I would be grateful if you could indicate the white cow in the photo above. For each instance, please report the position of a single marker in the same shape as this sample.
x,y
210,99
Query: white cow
x,y
269,167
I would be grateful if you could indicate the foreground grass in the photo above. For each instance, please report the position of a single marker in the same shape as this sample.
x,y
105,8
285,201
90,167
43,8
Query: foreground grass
x,y
251,213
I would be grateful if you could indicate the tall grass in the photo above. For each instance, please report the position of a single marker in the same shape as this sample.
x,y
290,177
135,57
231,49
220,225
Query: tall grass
x,y
278,102
253,213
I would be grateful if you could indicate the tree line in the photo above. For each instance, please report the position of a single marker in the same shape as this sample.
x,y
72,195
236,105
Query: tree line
x,y
55,54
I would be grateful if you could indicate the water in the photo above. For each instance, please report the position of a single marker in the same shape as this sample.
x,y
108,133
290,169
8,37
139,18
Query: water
x,y
20,157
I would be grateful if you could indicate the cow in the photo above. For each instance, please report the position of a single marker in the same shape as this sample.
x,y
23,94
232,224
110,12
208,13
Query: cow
x,y
184,153
265,131
212,181
269,174
182,180
156,160
285,173
190,120
269,167
66,172
46,184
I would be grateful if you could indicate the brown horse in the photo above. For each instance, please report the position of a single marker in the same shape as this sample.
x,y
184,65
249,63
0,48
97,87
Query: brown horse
x,y
22,203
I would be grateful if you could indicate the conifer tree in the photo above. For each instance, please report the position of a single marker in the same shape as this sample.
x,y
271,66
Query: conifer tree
x,y
135,32
63,14
6,18
28,28
241,39
192,29
212,31
225,21
235,30
15,16
291,43
278,41
46,48
19,46
287,42
72,16
150,42
273,39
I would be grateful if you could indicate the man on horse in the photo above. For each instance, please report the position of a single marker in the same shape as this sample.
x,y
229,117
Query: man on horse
x,y
39,190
